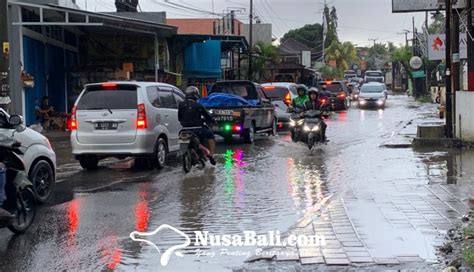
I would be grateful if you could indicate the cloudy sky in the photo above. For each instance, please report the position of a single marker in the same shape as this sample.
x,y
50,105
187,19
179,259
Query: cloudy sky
x,y
359,20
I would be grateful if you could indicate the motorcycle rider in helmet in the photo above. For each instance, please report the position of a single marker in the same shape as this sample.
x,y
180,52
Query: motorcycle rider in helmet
x,y
298,102
297,108
191,114
314,103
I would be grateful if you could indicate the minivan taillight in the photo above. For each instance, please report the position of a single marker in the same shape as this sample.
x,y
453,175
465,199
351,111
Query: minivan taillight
x,y
73,120
288,99
141,117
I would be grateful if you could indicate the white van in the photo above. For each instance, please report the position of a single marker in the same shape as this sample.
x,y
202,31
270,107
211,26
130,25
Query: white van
x,y
126,119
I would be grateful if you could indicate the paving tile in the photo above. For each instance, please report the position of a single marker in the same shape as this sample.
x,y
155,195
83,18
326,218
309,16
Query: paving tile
x,y
355,249
309,252
363,259
386,261
330,261
409,259
333,250
357,254
313,260
334,255
352,244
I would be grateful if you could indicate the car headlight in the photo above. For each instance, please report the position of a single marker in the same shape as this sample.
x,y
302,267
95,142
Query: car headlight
x,y
306,128
47,143
316,128
300,122
380,102
362,101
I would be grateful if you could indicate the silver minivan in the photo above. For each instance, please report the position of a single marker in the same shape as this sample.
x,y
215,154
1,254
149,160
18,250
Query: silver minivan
x,y
126,119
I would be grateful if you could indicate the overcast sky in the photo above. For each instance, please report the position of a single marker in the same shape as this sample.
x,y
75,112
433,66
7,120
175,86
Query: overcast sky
x,y
359,20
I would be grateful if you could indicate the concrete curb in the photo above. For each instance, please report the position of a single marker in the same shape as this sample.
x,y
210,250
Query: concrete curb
x,y
436,142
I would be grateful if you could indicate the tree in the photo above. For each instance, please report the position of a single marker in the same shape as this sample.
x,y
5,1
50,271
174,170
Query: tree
x,y
265,54
378,55
438,24
330,16
403,55
309,35
343,53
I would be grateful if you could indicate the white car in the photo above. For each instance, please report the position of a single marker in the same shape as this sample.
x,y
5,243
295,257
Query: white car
x,y
39,157
373,95
126,119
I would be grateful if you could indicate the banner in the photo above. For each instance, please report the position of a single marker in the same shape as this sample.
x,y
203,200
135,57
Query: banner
x,y
437,46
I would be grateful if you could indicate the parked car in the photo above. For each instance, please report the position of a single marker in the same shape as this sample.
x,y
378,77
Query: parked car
x,y
245,121
374,76
281,91
126,119
38,155
337,94
372,95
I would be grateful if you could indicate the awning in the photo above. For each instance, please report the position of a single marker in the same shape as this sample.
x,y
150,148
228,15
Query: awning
x,y
53,15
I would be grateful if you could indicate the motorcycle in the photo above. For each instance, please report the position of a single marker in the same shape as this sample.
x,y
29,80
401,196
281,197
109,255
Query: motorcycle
x,y
192,152
21,199
312,128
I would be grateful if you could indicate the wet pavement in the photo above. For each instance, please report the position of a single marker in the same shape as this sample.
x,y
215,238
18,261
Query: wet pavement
x,y
374,205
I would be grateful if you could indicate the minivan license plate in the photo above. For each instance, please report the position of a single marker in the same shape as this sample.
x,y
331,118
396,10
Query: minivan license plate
x,y
105,126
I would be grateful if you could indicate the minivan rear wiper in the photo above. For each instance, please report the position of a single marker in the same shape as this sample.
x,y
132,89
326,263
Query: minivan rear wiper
x,y
109,110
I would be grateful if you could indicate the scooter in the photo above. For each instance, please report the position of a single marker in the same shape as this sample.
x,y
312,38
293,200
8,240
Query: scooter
x,y
21,199
192,152
312,131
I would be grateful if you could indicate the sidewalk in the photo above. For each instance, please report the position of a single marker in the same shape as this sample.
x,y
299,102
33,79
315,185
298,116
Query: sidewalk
x,y
62,146
407,132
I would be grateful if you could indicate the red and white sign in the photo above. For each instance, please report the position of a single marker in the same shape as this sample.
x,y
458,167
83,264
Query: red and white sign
x,y
437,46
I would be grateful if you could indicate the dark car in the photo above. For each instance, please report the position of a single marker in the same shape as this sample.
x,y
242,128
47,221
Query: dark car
x,y
337,94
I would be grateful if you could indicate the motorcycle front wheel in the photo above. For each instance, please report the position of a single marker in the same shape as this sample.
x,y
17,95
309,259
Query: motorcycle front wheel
x,y
25,211
187,162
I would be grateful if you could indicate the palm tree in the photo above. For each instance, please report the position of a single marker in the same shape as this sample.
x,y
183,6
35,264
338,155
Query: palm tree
x,y
265,54
343,53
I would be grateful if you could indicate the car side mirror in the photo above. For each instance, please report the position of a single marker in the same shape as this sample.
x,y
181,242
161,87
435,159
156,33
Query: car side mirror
x,y
15,120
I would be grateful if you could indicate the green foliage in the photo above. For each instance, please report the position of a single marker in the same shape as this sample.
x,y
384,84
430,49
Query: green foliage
x,y
437,26
403,55
329,72
330,16
343,53
309,35
265,54
378,55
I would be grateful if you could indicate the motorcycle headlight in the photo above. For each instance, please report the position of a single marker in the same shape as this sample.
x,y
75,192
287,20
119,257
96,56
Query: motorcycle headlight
x,y
292,123
306,128
316,128
300,122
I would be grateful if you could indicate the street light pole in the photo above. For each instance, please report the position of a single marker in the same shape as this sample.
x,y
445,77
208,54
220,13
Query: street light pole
x,y
250,70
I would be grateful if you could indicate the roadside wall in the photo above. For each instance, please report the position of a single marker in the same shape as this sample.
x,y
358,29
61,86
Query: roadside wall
x,y
465,115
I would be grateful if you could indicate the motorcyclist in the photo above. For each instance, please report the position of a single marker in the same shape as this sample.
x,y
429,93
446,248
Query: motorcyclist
x,y
315,104
298,102
191,114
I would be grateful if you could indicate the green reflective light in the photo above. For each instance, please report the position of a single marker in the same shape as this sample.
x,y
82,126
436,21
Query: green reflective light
x,y
227,127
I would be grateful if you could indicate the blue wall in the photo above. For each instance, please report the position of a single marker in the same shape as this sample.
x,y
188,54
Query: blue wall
x,y
49,65
203,60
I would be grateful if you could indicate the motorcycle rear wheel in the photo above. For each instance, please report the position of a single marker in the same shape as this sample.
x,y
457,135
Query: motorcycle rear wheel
x,y
25,212
187,162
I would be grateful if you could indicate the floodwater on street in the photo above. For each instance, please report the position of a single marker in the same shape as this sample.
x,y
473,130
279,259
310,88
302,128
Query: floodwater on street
x,y
263,187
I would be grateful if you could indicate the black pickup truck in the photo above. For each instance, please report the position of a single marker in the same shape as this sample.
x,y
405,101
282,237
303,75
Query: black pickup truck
x,y
246,120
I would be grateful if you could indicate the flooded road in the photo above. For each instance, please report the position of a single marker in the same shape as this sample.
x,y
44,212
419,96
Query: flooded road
x,y
264,187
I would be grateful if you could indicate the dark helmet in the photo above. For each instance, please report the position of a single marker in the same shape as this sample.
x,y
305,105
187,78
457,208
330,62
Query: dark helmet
x,y
192,92
302,88
313,91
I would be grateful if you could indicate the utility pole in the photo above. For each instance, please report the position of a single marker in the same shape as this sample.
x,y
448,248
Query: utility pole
x,y
405,32
470,49
455,65
374,40
4,57
324,33
449,105
250,70
427,72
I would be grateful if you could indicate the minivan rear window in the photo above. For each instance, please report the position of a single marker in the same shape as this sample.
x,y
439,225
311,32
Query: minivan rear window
x,y
273,92
109,97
